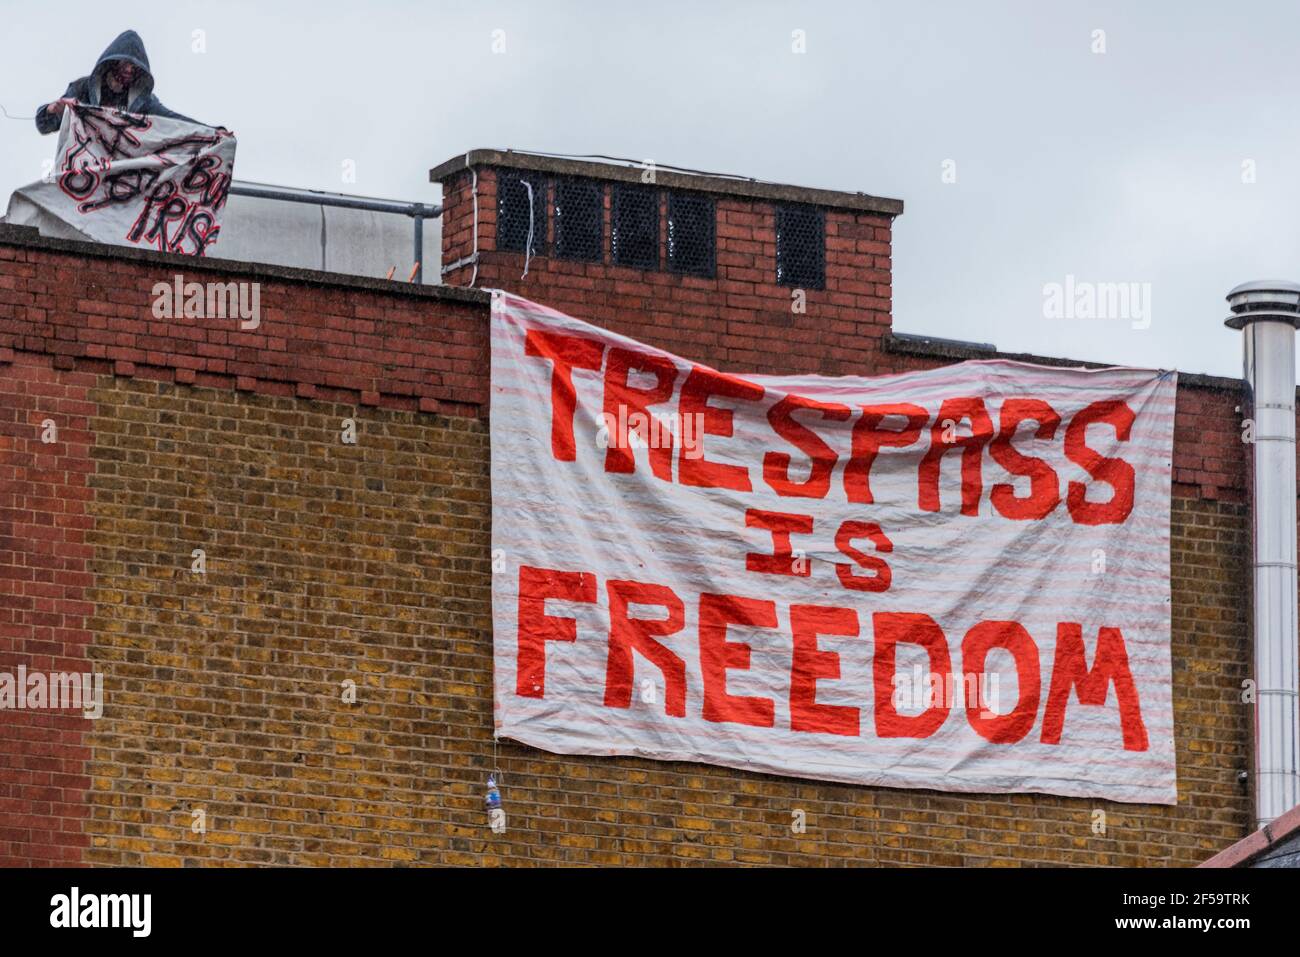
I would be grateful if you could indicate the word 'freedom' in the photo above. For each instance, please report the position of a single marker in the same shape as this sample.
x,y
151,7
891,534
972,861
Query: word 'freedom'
x,y
642,633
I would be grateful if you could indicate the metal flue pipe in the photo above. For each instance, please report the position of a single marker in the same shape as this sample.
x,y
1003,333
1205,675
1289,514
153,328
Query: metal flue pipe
x,y
1268,313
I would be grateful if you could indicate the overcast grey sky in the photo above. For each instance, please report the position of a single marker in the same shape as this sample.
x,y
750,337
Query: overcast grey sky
x,y
1128,165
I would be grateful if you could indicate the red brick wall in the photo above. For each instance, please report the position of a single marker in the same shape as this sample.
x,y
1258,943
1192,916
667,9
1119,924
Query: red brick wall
x,y
416,350
44,566
740,319
371,563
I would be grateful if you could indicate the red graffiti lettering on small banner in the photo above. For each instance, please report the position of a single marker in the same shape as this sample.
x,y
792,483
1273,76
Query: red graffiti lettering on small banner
x,y
140,180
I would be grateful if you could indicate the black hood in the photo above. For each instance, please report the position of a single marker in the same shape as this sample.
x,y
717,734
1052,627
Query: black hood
x,y
128,46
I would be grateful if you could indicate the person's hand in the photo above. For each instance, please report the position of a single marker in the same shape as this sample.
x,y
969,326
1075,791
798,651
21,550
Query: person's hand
x,y
55,108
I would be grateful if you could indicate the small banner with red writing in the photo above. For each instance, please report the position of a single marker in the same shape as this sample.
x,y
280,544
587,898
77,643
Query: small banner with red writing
x,y
131,180
955,578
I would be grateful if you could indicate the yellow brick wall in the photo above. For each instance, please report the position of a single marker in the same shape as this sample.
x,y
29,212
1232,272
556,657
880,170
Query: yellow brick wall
x,y
329,562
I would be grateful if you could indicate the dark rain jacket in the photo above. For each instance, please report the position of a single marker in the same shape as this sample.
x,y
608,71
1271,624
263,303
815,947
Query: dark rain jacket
x,y
94,89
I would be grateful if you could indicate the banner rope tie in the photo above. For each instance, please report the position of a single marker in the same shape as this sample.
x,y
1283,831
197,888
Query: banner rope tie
x,y
528,245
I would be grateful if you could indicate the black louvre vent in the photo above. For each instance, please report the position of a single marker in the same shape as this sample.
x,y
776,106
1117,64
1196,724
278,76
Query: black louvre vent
x,y
801,247
513,211
634,240
690,234
579,219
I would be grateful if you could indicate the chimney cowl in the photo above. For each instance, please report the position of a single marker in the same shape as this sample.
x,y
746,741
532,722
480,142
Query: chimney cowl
x,y
1264,299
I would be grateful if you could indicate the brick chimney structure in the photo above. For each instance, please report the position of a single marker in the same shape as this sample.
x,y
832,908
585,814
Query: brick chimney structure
x,y
733,272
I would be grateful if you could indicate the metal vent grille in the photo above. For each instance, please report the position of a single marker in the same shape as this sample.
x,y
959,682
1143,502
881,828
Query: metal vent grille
x,y
579,219
634,237
690,234
801,247
513,221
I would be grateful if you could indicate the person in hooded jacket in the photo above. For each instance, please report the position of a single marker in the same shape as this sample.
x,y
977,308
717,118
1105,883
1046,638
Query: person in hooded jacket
x,y
121,79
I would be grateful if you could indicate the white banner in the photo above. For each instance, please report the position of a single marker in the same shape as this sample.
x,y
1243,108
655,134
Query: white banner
x,y
954,579
128,179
